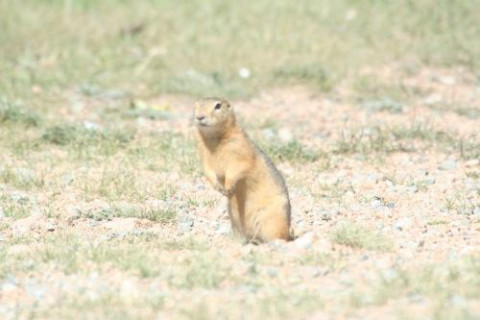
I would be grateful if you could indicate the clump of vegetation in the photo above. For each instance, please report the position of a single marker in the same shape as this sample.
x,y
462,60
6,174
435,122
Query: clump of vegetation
x,y
385,104
63,135
199,273
315,74
386,140
108,213
356,236
292,151
21,178
15,114
84,142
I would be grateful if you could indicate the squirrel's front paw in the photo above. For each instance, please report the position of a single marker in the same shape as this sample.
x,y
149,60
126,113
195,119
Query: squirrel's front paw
x,y
229,191
225,192
220,189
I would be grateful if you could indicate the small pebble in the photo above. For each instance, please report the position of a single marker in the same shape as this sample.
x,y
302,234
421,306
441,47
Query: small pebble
x,y
402,224
19,197
376,204
430,181
412,189
67,179
390,205
327,215
244,73
90,125
476,211
433,99
305,241
416,298
185,224
268,133
272,272
448,164
285,135
223,229
8,286
448,80
50,226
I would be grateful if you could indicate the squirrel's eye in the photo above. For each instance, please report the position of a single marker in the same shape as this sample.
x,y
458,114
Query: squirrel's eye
x,y
218,106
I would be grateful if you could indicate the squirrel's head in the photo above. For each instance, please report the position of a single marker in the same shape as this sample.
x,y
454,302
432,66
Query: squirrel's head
x,y
213,114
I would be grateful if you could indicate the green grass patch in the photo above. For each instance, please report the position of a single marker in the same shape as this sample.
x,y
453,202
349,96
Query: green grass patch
x,y
356,236
199,272
138,54
166,151
446,285
419,136
109,306
81,137
11,113
166,215
21,178
292,151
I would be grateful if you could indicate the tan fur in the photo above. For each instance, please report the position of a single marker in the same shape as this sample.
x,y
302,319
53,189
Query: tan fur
x,y
258,203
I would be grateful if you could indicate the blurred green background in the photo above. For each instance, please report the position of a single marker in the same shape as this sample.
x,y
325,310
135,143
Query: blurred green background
x,y
228,48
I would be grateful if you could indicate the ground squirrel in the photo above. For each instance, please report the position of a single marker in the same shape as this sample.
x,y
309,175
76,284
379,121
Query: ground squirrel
x,y
258,202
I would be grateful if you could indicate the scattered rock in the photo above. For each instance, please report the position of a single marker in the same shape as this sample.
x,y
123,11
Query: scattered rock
x,y
185,224
129,289
35,289
223,229
244,73
385,104
19,197
372,177
7,286
272,272
390,205
476,211
268,133
459,301
279,245
121,224
67,179
412,189
305,241
376,204
472,163
90,125
447,80
402,224
327,215
429,181
433,99
448,164
50,226
285,135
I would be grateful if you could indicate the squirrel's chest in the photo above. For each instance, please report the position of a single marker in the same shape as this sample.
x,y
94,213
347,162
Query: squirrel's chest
x,y
219,163
221,157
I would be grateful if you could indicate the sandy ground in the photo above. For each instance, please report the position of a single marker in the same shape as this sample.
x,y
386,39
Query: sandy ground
x,y
423,196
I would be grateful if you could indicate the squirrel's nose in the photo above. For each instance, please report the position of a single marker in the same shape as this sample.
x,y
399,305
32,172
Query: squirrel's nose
x,y
200,118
